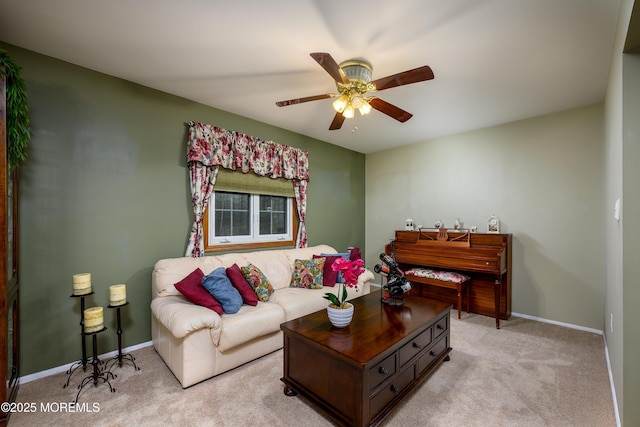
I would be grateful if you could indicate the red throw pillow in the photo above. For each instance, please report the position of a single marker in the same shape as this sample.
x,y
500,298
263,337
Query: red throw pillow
x,y
191,287
354,254
329,277
238,281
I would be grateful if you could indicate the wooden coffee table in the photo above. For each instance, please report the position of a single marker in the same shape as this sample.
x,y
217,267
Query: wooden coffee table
x,y
358,374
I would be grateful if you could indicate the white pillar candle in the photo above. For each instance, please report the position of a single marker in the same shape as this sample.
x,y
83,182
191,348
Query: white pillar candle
x,y
93,319
117,294
82,284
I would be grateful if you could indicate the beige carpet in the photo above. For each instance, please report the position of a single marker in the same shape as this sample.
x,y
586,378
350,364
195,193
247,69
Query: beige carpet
x,y
526,374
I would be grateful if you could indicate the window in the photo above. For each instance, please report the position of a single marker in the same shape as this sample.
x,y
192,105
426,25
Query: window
x,y
249,217
247,211
243,220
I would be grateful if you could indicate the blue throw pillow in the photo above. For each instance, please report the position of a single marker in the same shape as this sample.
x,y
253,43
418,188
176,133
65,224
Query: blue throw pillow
x,y
218,284
344,255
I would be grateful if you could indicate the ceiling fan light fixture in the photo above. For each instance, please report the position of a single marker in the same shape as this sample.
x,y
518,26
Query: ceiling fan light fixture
x,y
365,108
348,111
357,100
340,103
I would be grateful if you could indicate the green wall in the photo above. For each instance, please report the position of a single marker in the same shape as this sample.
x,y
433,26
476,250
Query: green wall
x,y
105,191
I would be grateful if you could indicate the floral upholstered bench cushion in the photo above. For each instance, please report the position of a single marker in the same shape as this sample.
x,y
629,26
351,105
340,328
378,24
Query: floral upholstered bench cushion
x,y
444,276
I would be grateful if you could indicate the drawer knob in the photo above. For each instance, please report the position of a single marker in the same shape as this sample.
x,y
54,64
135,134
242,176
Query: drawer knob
x,y
383,370
432,354
439,326
416,345
394,389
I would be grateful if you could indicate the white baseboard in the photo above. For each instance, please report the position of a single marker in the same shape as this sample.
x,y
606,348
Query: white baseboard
x,y
567,325
64,368
611,382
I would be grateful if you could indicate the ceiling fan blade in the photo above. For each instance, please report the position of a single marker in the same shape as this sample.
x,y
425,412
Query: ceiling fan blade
x,y
390,110
416,75
337,122
301,100
329,64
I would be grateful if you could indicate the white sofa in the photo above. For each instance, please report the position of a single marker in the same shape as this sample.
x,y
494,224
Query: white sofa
x,y
196,343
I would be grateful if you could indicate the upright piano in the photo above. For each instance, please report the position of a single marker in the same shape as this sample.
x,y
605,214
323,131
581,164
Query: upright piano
x,y
484,257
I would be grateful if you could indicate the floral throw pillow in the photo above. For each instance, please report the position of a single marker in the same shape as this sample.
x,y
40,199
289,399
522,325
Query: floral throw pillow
x,y
258,281
308,273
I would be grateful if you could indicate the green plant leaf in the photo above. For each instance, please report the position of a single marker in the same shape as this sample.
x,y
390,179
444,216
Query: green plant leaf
x,y
333,299
18,132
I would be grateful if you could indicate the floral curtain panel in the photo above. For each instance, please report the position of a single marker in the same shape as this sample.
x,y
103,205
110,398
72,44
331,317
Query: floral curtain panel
x,y
210,147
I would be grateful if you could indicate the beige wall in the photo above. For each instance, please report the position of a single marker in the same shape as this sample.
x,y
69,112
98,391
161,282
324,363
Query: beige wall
x,y
543,177
613,191
630,238
622,242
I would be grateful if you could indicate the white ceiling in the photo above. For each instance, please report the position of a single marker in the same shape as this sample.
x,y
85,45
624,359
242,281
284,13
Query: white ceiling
x,y
495,61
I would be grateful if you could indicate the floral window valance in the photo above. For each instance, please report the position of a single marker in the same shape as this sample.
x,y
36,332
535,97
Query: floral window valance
x,y
210,147
214,146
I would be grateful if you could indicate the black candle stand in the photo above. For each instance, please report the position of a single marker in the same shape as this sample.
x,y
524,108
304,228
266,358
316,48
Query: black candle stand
x,y
97,374
110,363
82,362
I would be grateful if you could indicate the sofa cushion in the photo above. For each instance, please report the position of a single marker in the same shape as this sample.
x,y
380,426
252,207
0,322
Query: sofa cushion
x,y
307,253
181,317
249,323
258,281
240,283
166,272
191,287
274,264
219,285
297,302
308,273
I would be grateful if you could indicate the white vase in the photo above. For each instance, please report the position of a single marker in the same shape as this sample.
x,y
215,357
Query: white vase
x,y
340,317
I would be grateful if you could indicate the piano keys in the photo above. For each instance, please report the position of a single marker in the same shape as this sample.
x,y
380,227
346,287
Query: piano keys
x,y
485,257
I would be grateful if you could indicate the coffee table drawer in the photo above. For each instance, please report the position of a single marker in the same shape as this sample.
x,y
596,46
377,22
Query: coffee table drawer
x,y
431,355
382,371
440,327
415,346
389,392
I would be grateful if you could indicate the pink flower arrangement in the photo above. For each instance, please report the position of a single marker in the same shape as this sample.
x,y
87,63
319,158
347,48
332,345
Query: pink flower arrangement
x,y
350,271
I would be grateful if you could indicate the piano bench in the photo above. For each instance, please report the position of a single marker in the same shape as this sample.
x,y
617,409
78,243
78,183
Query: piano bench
x,y
442,279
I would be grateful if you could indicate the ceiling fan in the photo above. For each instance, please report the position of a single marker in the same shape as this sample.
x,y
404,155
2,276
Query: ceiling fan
x,y
354,82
